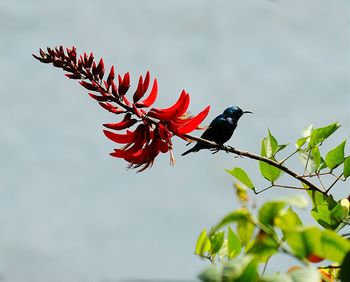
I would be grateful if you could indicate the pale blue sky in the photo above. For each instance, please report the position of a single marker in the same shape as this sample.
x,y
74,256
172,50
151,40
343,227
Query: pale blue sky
x,y
68,211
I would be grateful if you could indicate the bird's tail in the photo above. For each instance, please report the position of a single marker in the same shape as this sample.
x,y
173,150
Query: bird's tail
x,y
194,149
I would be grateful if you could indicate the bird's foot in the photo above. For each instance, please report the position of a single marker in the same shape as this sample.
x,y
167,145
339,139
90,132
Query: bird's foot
x,y
217,149
228,149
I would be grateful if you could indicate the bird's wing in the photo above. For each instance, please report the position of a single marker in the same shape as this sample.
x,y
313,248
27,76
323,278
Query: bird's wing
x,y
215,128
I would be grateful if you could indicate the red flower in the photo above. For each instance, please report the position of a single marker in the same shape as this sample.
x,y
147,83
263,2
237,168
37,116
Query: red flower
x,y
143,133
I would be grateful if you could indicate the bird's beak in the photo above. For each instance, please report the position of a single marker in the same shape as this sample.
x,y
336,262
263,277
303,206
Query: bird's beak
x,y
247,112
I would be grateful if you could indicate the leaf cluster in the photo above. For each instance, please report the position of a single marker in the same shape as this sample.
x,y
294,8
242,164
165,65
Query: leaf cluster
x,y
244,239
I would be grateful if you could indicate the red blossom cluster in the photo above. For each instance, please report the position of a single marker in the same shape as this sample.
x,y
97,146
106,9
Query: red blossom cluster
x,y
143,132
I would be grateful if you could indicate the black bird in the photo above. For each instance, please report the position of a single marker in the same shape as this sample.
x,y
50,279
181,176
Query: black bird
x,y
220,129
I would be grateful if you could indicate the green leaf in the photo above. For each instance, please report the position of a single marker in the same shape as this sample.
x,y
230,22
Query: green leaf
x,y
280,148
301,141
322,165
210,274
335,157
306,136
334,246
305,241
241,269
310,159
316,157
264,246
312,241
237,215
270,145
345,269
245,230
346,171
250,273
233,244
269,211
318,135
242,176
306,132
269,172
216,242
288,220
308,274
326,211
203,243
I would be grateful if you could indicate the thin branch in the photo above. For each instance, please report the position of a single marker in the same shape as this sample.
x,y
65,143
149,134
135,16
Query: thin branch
x,y
320,174
258,158
290,187
335,181
280,186
286,158
319,179
263,190
265,266
307,162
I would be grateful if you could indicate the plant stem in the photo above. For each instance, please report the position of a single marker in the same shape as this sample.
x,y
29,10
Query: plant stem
x,y
335,181
250,155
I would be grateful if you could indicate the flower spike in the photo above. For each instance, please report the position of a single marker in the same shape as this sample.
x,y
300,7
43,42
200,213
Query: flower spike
x,y
143,133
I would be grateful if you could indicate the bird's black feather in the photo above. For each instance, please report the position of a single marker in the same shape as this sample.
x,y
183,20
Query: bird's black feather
x,y
220,129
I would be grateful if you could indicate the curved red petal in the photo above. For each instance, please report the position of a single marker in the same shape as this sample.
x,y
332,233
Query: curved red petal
x,y
163,146
101,68
126,101
138,144
121,125
146,82
176,110
194,122
98,98
151,98
111,75
139,91
114,89
125,123
111,108
137,112
120,138
89,86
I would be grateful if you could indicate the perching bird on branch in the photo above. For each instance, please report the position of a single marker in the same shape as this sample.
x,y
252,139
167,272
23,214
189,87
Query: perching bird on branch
x,y
220,129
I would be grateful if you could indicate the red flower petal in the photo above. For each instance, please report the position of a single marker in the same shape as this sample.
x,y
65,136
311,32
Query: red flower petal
x,y
137,111
146,83
101,68
139,141
89,86
110,107
139,91
124,83
194,122
110,76
120,138
176,110
151,98
125,123
73,76
98,98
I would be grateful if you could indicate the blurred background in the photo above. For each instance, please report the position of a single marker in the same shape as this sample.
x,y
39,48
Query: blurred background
x,y
69,211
